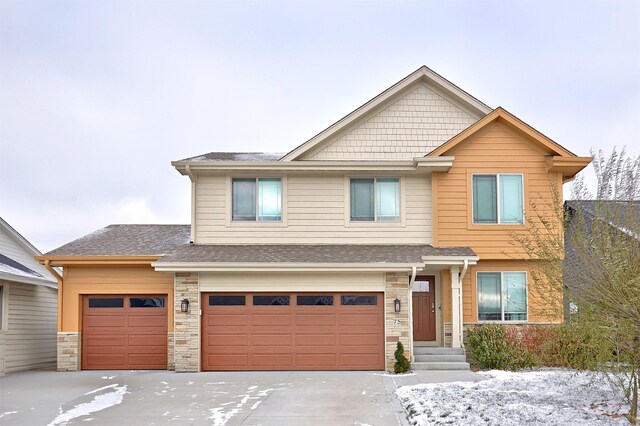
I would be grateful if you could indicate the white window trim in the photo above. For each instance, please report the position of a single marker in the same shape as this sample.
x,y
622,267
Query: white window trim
x,y
363,223
497,175
502,321
249,223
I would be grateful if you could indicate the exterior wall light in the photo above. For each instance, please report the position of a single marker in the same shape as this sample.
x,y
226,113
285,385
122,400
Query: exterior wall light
x,y
184,305
396,305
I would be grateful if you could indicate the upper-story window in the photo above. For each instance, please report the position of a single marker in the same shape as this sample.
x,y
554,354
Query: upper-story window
x,y
375,199
502,296
257,199
498,198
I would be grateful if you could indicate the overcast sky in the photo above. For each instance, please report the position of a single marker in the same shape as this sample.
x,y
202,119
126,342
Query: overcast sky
x,y
96,98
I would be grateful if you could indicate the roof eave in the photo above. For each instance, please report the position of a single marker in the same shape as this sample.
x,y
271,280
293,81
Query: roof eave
x,y
98,260
284,267
28,280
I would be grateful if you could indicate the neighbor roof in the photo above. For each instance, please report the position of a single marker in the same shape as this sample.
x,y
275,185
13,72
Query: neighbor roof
x,y
126,240
303,253
11,267
614,211
236,156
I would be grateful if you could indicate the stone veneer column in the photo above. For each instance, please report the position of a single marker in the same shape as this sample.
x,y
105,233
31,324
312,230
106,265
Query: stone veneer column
x,y
397,324
186,344
68,351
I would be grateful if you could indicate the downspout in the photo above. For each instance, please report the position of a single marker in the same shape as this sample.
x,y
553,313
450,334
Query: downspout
x,y
462,274
414,271
47,264
192,177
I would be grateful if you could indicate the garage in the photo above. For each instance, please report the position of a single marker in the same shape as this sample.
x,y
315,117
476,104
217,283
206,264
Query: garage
x,y
293,331
124,332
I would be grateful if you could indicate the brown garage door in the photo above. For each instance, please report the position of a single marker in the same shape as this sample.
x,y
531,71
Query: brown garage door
x,y
124,332
293,331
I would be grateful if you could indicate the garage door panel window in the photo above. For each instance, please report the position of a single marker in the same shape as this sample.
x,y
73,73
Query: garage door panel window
x,y
227,300
315,300
146,302
112,302
359,300
271,300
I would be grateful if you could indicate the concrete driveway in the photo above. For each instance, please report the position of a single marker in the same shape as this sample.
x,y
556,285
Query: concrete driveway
x,y
161,397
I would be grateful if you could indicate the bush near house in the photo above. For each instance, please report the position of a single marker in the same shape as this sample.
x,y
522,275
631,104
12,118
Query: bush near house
x,y
402,363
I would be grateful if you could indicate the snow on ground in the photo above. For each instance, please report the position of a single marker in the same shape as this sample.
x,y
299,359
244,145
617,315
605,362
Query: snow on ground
x,y
99,403
544,397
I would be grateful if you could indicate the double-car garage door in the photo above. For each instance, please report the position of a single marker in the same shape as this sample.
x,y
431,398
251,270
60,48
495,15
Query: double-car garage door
x,y
293,331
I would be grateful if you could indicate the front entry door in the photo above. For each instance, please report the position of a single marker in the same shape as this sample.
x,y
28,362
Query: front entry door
x,y
424,308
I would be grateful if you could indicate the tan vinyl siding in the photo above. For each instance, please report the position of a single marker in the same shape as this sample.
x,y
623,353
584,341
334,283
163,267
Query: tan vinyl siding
x,y
495,149
80,280
30,336
292,281
414,125
316,211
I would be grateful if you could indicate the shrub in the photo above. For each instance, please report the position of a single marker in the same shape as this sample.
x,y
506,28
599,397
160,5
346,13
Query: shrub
x,y
490,347
402,363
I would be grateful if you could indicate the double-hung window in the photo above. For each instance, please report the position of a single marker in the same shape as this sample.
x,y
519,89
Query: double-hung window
x,y
498,198
502,296
257,199
375,200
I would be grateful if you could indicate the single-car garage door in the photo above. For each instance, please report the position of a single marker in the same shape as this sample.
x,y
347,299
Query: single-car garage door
x,y
293,331
124,332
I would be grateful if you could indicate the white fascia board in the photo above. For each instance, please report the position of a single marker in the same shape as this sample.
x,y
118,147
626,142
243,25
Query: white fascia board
x,y
28,280
408,166
283,267
434,164
450,260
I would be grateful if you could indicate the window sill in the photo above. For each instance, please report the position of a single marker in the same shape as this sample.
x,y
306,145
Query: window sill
x,y
373,223
494,226
256,223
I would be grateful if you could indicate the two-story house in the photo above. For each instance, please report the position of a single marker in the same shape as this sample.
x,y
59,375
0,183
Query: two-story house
x,y
390,225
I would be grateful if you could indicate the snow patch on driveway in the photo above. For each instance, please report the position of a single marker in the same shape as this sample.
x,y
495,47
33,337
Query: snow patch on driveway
x,y
546,397
99,403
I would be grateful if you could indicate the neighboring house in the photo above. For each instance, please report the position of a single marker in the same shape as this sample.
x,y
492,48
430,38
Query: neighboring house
x,y
622,224
28,302
390,225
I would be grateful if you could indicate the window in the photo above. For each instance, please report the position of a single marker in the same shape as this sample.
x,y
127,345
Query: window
x,y
359,300
315,300
375,199
227,300
146,302
271,300
502,296
257,199
112,302
498,199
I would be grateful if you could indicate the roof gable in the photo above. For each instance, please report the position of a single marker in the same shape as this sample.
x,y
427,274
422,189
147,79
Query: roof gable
x,y
559,158
422,76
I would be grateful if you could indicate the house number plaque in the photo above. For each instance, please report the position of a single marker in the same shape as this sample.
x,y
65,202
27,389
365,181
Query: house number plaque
x,y
396,321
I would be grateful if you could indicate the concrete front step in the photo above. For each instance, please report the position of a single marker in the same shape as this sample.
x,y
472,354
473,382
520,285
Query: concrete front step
x,y
428,350
440,358
440,366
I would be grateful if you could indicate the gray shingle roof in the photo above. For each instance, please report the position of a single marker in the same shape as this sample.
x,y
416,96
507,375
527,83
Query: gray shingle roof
x,y
237,156
172,243
302,253
127,240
